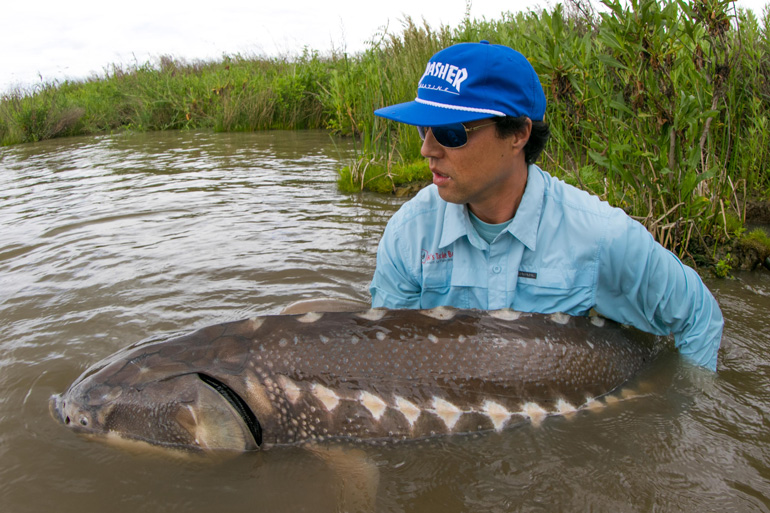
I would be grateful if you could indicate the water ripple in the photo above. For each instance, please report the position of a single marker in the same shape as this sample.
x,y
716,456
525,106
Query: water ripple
x,y
110,240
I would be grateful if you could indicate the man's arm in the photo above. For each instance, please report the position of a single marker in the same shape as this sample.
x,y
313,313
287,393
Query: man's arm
x,y
643,284
394,284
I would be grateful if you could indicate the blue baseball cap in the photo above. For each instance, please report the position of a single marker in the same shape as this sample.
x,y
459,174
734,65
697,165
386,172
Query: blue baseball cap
x,y
471,81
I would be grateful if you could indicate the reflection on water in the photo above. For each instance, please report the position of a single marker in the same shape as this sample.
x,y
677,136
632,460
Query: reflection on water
x,y
109,240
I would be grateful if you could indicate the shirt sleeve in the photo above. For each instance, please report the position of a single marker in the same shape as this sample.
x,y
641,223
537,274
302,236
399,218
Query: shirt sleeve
x,y
642,284
393,284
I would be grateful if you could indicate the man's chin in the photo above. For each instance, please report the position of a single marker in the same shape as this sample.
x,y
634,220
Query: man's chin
x,y
446,194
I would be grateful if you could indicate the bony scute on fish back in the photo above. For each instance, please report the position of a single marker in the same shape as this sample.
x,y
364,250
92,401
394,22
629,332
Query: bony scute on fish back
x,y
399,374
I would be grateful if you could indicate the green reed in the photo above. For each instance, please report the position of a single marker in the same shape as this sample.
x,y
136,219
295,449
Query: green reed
x,y
654,99
659,107
236,93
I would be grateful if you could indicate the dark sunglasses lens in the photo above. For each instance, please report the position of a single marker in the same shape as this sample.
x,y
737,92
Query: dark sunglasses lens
x,y
450,136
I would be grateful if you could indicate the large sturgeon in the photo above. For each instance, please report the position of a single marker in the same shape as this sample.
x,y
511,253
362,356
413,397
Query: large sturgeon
x,y
378,374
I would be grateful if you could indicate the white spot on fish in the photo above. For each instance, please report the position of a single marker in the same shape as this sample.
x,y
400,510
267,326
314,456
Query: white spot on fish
x,y
497,413
589,344
505,314
593,404
373,314
462,338
381,336
535,412
628,393
408,409
256,323
324,339
443,313
354,340
433,338
559,318
328,398
565,408
597,321
373,403
447,412
310,317
290,388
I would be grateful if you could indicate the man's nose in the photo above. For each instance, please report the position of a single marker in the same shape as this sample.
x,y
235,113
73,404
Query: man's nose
x,y
430,146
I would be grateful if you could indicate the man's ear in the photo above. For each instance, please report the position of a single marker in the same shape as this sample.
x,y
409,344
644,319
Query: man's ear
x,y
521,138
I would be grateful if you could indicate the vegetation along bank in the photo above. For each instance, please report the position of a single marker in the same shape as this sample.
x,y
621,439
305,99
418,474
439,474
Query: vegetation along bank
x,y
659,107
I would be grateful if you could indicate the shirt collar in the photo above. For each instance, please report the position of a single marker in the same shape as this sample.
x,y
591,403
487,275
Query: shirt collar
x,y
457,223
524,225
527,219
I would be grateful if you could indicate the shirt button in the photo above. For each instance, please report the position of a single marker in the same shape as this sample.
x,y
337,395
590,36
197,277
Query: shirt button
x,y
496,269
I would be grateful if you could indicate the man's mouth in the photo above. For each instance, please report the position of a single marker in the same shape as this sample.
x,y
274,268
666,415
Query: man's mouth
x,y
439,178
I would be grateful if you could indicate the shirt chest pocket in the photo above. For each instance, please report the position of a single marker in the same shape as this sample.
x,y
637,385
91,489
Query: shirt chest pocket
x,y
437,275
439,288
554,290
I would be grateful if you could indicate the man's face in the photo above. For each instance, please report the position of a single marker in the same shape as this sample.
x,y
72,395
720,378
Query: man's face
x,y
486,171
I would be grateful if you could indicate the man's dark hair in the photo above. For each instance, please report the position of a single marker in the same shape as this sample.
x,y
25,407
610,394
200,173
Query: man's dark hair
x,y
509,125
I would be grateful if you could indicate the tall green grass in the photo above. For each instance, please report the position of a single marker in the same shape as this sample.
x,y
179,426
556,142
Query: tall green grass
x,y
659,107
234,94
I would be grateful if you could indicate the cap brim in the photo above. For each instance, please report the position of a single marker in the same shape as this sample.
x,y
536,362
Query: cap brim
x,y
415,113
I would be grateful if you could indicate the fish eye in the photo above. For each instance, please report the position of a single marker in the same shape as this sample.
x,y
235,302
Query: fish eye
x,y
83,421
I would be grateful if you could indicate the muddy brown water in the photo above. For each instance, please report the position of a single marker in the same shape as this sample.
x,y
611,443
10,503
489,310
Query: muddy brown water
x,y
105,241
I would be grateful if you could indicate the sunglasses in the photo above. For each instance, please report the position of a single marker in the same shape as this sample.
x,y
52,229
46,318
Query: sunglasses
x,y
450,136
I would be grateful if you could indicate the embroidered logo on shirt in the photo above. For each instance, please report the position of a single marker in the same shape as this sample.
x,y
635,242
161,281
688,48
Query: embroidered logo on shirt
x,y
527,274
434,258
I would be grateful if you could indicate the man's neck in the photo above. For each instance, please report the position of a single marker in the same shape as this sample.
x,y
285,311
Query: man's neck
x,y
505,204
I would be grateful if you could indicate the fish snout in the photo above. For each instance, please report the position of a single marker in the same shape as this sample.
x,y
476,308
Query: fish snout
x,y
68,414
55,407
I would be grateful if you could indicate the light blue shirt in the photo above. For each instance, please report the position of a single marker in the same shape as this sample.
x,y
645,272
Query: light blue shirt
x,y
564,251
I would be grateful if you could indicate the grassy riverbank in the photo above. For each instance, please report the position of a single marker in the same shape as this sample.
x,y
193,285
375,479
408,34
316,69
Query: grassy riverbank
x,y
660,108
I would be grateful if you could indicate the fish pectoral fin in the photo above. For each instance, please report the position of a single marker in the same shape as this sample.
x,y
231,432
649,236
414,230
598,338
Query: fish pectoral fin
x,y
216,420
324,304
358,476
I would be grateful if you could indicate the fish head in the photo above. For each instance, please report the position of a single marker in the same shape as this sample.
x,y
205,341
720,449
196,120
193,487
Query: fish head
x,y
161,402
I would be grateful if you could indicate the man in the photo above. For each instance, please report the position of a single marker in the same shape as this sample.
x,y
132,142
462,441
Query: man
x,y
496,231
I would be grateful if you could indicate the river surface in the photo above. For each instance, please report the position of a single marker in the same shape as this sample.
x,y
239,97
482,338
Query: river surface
x,y
106,241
